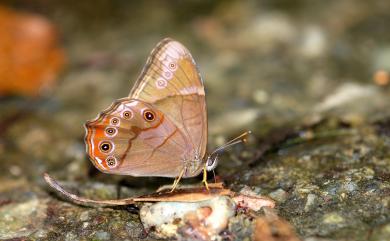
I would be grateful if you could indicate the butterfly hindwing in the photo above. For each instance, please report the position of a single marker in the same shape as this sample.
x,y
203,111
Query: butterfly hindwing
x,y
133,130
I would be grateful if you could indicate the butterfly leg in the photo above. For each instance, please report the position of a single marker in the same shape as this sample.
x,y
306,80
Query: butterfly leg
x,y
204,181
177,180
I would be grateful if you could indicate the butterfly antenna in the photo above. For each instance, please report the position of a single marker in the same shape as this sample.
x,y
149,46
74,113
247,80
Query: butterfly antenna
x,y
234,141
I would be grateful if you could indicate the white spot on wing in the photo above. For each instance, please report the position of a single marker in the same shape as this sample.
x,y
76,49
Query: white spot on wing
x,y
178,47
192,90
133,103
100,162
174,54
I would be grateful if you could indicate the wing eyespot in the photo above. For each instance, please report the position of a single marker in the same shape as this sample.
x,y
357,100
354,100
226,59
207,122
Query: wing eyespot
x,y
149,115
168,75
106,146
161,83
115,121
172,66
110,131
127,114
111,162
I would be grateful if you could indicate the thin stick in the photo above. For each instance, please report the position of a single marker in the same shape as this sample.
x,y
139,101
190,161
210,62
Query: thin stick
x,y
85,201
182,195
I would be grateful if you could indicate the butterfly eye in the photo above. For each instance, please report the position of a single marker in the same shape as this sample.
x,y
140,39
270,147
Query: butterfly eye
x,y
115,121
111,162
110,131
105,146
149,115
127,114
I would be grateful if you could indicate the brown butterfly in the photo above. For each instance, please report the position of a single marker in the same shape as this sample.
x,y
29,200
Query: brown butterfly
x,y
160,129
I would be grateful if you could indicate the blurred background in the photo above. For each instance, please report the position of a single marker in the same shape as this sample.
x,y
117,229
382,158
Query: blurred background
x,y
270,64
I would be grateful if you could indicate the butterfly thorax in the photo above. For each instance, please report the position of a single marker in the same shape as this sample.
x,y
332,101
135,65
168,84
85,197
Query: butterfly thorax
x,y
193,165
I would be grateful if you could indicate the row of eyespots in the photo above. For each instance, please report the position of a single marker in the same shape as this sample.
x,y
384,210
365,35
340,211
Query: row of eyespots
x,y
108,146
162,82
112,131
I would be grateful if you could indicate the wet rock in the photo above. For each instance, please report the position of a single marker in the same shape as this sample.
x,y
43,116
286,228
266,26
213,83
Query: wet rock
x,y
23,218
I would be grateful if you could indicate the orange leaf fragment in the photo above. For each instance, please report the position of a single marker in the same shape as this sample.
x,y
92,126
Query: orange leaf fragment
x,y
30,56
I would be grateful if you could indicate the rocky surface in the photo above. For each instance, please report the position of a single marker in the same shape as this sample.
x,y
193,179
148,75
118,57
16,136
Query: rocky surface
x,y
309,78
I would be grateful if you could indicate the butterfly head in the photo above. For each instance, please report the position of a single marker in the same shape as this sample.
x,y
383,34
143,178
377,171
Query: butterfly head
x,y
109,136
211,162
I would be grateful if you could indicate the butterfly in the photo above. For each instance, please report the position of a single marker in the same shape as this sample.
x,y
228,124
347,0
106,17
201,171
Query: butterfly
x,y
160,129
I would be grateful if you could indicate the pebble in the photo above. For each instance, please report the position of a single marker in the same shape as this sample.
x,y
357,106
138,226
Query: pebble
x,y
350,187
84,216
310,202
102,235
279,195
268,30
348,93
333,218
313,43
71,237
381,58
169,217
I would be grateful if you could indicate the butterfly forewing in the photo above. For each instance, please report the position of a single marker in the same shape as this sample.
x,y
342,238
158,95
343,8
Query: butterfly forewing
x,y
171,82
